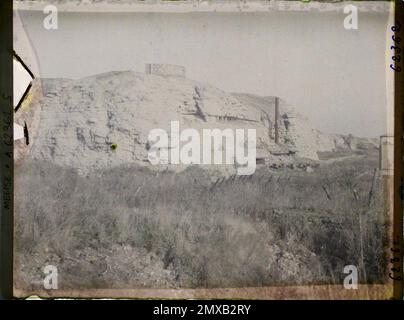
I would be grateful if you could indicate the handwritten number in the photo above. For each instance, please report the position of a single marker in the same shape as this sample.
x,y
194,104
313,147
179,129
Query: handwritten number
x,y
397,69
396,58
398,39
399,278
397,27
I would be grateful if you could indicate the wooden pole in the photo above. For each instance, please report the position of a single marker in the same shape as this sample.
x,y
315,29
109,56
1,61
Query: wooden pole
x,y
276,119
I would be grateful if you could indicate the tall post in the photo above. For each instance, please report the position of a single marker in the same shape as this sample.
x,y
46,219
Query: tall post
x,y
276,119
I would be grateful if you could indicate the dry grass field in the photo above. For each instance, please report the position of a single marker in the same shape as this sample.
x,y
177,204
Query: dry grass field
x,y
129,227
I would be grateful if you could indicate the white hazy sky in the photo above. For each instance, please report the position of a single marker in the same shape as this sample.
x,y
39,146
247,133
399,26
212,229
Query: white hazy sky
x,y
335,77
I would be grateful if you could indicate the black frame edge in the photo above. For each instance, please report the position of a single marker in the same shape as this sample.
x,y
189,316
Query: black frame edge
x,y
6,149
397,273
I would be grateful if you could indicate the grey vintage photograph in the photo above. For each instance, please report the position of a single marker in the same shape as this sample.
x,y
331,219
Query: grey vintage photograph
x,y
222,151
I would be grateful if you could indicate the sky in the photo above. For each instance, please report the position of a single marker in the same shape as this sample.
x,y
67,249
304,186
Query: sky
x,y
334,77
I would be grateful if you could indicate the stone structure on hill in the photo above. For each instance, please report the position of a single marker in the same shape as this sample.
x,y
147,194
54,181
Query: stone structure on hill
x,y
74,122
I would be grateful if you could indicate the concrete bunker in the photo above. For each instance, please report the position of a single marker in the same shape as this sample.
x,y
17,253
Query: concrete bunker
x,y
169,70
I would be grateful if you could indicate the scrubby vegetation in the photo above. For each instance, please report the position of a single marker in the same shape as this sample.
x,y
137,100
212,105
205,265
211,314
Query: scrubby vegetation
x,y
132,227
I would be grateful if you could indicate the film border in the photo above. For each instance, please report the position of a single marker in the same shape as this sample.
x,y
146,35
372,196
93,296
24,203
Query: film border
x,y
6,149
398,163
6,174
